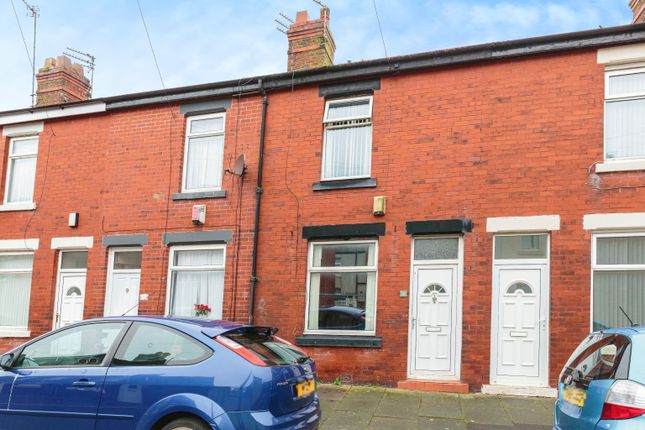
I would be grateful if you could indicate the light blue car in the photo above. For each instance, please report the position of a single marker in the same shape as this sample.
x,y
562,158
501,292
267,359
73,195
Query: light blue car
x,y
602,385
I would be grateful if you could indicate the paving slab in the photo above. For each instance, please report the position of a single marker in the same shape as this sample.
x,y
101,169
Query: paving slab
x,y
526,410
441,424
440,405
361,399
399,404
346,420
388,423
330,396
482,409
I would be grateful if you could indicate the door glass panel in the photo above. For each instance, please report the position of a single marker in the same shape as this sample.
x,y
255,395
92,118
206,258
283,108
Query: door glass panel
x,y
519,286
436,249
127,260
521,247
74,291
153,345
74,260
434,288
78,346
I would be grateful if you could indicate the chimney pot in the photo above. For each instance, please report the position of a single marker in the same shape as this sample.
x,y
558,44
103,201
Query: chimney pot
x,y
301,17
61,81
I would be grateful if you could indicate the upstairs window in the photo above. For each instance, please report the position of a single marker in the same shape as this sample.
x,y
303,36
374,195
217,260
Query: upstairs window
x,y
624,113
21,170
347,151
204,153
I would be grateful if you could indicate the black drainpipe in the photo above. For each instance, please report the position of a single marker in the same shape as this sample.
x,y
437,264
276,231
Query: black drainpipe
x,y
258,195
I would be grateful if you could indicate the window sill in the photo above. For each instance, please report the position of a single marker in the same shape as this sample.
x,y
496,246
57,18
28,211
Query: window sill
x,y
620,166
8,332
344,184
340,341
12,207
200,195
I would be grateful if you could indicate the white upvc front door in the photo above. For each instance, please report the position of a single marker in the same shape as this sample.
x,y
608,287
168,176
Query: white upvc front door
x,y
71,299
435,311
70,290
123,280
519,322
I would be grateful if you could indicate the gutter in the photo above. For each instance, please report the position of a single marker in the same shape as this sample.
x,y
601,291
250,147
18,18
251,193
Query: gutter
x,y
258,196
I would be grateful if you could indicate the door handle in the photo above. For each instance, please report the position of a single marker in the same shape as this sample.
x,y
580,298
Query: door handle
x,y
84,383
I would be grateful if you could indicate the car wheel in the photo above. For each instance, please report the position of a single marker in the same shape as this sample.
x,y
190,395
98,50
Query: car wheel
x,y
186,423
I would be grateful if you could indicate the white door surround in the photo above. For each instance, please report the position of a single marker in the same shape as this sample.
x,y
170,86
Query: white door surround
x,y
520,314
122,286
434,336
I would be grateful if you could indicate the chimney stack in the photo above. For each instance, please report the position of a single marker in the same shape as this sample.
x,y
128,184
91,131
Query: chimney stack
x,y
61,81
311,44
638,8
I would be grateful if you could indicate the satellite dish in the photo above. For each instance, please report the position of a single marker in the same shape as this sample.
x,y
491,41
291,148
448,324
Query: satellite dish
x,y
240,166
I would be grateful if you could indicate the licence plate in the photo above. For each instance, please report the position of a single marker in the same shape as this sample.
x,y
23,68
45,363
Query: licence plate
x,y
305,388
575,396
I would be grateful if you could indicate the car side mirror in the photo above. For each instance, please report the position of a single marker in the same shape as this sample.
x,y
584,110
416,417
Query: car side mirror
x,y
6,360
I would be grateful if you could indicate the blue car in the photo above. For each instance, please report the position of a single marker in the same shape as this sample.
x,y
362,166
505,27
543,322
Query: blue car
x,y
156,373
603,384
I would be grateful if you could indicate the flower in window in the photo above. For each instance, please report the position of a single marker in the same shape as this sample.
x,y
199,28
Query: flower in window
x,y
202,310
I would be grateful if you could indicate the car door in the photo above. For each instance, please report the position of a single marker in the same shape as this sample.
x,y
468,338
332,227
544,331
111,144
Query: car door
x,y
587,377
153,362
59,378
6,381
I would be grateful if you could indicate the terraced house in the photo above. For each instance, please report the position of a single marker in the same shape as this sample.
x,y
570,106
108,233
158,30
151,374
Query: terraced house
x,y
454,220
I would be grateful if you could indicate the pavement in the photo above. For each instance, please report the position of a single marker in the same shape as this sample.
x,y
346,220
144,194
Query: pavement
x,y
366,407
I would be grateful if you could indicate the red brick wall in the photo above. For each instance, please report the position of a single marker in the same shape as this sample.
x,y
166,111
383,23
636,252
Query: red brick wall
x,y
511,138
118,171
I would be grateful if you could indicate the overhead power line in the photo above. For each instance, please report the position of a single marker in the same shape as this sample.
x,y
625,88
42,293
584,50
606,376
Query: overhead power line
x,y
380,29
24,41
154,56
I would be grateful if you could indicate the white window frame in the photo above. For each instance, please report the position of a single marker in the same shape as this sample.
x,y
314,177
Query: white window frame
x,y
190,135
18,331
112,271
352,269
608,267
171,265
330,125
623,163
10,159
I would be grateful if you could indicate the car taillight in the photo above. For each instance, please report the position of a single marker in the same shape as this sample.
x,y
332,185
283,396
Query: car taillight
x,y
626,399
240,350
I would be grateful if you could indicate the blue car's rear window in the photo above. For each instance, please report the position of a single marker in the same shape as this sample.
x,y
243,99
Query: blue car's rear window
x,y
271,349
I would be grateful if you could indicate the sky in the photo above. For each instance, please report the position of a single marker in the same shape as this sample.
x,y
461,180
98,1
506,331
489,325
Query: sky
x,y
201,41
